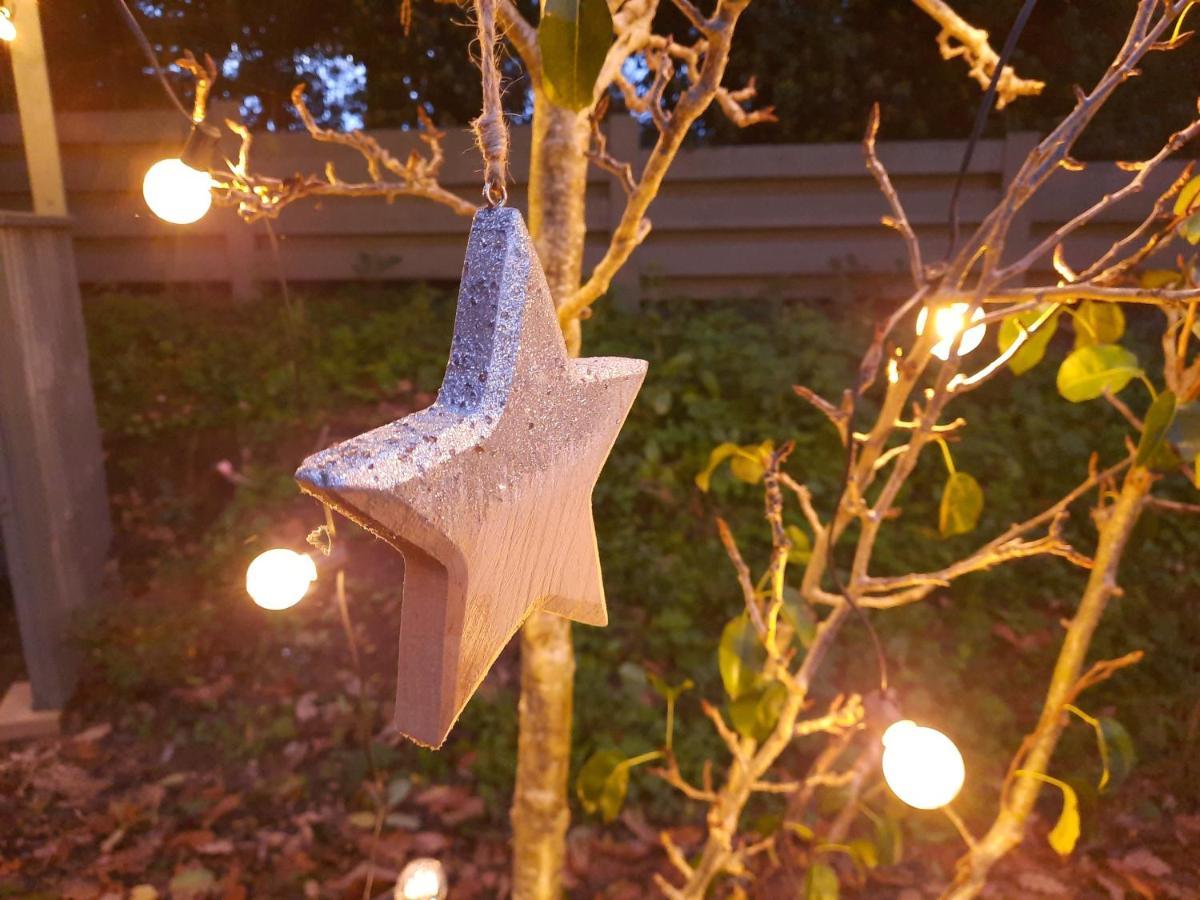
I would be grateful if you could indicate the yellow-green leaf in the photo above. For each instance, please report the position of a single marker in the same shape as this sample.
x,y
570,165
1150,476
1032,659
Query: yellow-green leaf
x,y
602,783
740,657
719,454
820,882
1154,279
1030,353
754,714
1065,832
574,37
798,614
801,551
747,464
1154,430
1098,323
1090,371
962,503
1186,198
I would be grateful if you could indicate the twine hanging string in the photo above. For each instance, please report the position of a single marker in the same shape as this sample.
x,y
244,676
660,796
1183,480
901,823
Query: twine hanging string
x,y
491,131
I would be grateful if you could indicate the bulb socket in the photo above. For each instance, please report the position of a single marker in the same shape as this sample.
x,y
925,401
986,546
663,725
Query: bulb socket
x,y
200,147
881,709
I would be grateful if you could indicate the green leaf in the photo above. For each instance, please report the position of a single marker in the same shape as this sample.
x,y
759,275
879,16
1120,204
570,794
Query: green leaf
x,y
602,783
801,551
1185,429
1122,756
889,839
574,37
1065,832
667,691
1158,420
1030,353
754,714
1098,323
962,502
1090,371
740,657
799,615
820,882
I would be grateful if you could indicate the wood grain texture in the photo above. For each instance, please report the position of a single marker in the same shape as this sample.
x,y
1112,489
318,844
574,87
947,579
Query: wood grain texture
x,y
53,498
487,493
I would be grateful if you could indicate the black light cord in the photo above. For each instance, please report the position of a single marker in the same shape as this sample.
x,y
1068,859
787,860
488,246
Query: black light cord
x,y
144,42
985,107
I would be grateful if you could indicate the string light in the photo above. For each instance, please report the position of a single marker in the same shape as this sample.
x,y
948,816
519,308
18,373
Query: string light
x,y
279,578
8,31
921,765
179,190
948,324
422,879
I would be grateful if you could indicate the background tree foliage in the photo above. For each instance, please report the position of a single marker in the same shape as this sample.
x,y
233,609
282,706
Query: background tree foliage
x,y
821,63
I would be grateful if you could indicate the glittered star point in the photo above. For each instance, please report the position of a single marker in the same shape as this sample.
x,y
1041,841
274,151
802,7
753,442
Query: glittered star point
x,y
487,493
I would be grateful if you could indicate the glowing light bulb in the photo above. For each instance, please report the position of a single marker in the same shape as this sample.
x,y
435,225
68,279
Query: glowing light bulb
x,y
8,31
278,578
921,765
948,324
176,192
422,879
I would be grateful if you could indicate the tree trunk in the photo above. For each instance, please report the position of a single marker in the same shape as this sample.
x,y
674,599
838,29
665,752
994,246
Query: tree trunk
x,y
540,815
1009,828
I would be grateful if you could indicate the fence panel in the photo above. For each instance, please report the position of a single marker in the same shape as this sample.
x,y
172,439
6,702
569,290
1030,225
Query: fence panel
x,y
778,220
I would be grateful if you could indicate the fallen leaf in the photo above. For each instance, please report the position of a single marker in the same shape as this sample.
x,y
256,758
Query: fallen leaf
x,y
1043,884
364,820
192,883
306,707
1142,860
144,892
206,694
70,782
430,843
224,806
93,734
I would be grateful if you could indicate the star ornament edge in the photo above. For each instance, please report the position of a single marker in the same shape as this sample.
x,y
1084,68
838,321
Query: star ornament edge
x,y
487,492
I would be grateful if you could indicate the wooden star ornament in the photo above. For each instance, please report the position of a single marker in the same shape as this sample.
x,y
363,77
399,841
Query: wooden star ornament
x,y
486,493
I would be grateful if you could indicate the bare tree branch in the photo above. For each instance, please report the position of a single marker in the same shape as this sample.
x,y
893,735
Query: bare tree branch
x,y
959,38
633,226
1134,185
258,197
205,76
898,219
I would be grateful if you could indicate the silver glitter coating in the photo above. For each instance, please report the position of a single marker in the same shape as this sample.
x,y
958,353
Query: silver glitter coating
x,y
487,493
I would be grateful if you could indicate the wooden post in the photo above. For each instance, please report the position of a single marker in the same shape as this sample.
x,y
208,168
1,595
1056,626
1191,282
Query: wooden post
x,y
37,111
53,499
